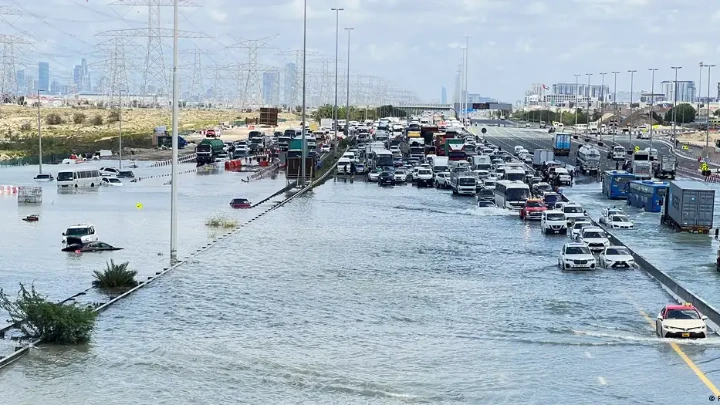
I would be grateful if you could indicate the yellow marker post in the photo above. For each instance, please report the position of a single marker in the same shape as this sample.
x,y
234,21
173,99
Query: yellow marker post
x,y
637,148
138,206
685,147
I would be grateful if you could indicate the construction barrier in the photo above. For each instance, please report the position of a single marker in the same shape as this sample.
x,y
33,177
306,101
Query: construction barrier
x,y
233,164
182,159
8,189
713,178
265,172
163,175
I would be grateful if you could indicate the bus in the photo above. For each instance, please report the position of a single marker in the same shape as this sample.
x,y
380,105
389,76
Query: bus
x,y
381,158
614,184
78,178
514,174
647,194
511,194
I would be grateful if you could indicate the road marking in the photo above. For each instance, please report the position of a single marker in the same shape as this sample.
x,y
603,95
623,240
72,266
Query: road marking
x,y
588,355
683,356
602,380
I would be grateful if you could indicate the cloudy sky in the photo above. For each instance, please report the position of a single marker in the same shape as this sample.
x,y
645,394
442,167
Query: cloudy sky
x,y
413,43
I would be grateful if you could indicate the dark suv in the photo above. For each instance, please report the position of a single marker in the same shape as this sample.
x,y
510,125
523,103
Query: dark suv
x,y
386,177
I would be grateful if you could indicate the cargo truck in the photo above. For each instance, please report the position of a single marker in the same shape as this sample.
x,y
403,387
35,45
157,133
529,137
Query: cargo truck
x,y
208,150
541,156
688,206
454,149
665,167
641,165
561,144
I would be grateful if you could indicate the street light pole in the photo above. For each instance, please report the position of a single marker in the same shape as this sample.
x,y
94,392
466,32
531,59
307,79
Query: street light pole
x,y
587,117
39,132
632,118
652,102
602,102
577,90
699,89
175,100
707,126
462,83
467,58
120,131
675,90
347,93
615,113
304,150
337,38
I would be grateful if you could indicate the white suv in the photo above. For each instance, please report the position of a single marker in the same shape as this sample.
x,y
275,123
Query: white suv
x,y
424,178
553,222
576,256
82,233
594,238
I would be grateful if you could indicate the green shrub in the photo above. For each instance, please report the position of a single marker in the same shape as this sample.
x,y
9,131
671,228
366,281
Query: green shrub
x,y
220,221
114,116
97,120
115,275
25,126
79,118
55,323
53,119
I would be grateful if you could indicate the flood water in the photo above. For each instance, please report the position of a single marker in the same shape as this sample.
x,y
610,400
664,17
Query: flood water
x,y
356,293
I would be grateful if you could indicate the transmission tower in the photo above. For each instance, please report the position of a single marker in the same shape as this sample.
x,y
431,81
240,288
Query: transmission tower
x,y
8,80
115,55
323,85
154,72
196,82
252,94
293,99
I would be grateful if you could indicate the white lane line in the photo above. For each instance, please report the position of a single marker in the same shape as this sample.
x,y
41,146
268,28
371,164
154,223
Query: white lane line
x,y
588,355
602,381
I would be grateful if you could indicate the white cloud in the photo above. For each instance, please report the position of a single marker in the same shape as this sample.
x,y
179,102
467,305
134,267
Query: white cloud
x,y
536,8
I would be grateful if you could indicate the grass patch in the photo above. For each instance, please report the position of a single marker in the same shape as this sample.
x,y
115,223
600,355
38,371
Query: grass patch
x,y
221,221
115,276
55,323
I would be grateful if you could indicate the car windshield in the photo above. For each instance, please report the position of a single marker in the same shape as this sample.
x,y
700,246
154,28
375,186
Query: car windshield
x,y
579,225
399,171
115,181
616,252
682,314
593,234
620,218
573,210
77,232
555,217
65,176
424,171
534,204
516,194
577,250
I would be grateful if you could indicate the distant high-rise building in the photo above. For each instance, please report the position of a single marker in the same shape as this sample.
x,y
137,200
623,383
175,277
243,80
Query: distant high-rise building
x,y
77,77
44,76
443,95
290,92
54,87
20,79
269,81
686,90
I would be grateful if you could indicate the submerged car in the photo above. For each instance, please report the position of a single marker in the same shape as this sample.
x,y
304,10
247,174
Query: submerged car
x,y
616,257
680,321
619,222
96,246
43,177
484,203
111,182
373,175
240,203
84,232
576,256
386,178
594,238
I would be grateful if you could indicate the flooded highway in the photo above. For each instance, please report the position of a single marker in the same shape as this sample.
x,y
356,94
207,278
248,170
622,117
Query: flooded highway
x,y
353,293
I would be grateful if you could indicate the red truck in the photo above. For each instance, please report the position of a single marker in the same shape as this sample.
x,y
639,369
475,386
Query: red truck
x,y
440,140
533,209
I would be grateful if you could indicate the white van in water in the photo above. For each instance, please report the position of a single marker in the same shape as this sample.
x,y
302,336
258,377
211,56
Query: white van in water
x,y
78,178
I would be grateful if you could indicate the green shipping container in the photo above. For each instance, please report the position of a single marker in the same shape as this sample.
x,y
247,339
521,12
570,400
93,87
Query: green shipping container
x,y
217,145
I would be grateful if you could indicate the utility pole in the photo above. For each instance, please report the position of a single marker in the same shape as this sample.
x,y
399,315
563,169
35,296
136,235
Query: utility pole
x,y
674,114
174,177
462,83
39,133
699,89
577,90
652,101
707,126
587,117
304,87
120,131
337,37
615,112
467,57
347,93
632,119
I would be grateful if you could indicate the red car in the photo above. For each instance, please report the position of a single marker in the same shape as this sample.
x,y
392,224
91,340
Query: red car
x,y
533,209
240,203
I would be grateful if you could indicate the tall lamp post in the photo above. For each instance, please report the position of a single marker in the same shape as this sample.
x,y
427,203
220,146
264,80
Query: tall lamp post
x,y
615,112
699,89
675,90
577,90
602,102
587,117
337,37
304,149
632,118
39,132
347,92
467,57
707,126
652,102
175,99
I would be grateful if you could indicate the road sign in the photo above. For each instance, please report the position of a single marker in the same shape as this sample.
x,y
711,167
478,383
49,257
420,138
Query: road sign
x,y
637,148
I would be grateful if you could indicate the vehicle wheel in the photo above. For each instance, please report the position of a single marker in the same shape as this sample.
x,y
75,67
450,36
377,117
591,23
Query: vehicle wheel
x,y
454,191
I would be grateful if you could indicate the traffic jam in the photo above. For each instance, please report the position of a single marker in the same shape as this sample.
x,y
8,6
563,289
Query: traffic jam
x,y
442,153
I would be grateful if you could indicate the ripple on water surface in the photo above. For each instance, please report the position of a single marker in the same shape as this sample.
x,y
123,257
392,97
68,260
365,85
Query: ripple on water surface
x,y
361,294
